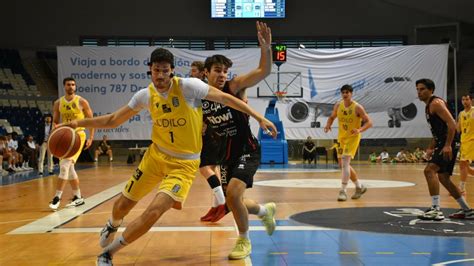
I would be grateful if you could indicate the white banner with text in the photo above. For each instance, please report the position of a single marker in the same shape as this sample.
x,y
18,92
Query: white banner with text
x,y
383,79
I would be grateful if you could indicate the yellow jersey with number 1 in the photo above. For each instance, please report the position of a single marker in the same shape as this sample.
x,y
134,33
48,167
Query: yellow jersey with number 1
x,y
177,126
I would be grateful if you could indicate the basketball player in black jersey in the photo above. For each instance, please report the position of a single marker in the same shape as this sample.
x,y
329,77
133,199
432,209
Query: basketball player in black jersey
x,y
442,150
216,70
229,142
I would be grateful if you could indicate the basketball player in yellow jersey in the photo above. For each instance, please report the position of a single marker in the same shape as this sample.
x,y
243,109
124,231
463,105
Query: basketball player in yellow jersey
x,y
70,107
172,160
465,126
350,116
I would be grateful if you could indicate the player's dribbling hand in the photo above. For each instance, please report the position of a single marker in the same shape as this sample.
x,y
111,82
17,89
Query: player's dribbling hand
x,y
268,128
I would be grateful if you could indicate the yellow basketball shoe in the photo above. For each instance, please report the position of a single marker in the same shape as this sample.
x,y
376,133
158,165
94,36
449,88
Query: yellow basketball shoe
x,y
242,249
268,220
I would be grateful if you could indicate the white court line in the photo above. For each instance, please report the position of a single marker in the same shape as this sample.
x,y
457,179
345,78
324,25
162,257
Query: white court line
x,y
189,229
50,222
289,171
452,261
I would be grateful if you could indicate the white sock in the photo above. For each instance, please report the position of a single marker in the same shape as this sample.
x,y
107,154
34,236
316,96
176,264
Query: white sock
x,y
116,245
357,184
435,200
462,185
59,193
244,235
214,201
462,202
344,187
77,193
262,211
219,195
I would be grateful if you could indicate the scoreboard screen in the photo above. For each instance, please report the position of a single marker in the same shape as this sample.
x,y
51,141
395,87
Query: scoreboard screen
x,y
247,8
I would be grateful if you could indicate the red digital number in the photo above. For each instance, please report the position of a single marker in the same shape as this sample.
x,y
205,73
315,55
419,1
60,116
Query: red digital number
x,y
281,56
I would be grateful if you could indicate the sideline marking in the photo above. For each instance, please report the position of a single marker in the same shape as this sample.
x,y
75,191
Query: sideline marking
x,y
58,218
451,262
329,183
175,229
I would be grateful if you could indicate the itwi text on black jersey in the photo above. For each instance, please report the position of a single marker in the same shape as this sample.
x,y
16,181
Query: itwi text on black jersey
x,y
230,127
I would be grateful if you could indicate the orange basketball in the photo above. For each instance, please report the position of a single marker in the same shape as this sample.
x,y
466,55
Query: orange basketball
x,y
64,142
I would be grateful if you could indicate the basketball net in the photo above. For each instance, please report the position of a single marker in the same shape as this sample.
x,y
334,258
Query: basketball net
x,y
281,95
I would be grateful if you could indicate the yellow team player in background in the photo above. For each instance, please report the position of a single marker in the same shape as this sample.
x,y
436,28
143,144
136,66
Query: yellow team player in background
x,y
465,126
350,116
70,107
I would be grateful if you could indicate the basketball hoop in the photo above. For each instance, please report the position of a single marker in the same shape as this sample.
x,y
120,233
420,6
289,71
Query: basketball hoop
x,y
281,95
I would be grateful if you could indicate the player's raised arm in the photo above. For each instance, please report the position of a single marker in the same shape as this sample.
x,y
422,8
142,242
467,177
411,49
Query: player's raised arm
x,y
265,65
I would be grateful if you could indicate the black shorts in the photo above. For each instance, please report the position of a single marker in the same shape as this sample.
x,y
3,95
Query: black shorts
x,y
242,168
437,158
212,151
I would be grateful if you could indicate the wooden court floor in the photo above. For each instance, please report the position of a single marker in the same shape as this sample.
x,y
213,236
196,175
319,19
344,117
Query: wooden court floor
x,y
31,234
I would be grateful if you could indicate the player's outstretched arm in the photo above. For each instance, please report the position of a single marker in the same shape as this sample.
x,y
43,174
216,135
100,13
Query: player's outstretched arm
x,y
216,95
248,80
105,121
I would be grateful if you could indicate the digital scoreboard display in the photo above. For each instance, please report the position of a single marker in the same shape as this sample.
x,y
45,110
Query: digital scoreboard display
x,y
279,53
247,8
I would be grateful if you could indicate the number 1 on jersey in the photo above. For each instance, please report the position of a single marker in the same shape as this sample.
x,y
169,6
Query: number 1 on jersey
x,y
171,136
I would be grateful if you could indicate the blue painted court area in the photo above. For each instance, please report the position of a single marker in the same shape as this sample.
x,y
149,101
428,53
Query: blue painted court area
x,y
343,247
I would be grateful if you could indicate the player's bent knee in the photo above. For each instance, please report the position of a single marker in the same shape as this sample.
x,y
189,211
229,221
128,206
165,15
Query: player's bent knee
x,y
124,204
429,171
232,196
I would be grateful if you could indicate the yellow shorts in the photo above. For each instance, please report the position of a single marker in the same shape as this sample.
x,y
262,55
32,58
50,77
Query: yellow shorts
x,y
176,176
467,151
348,146
82,135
